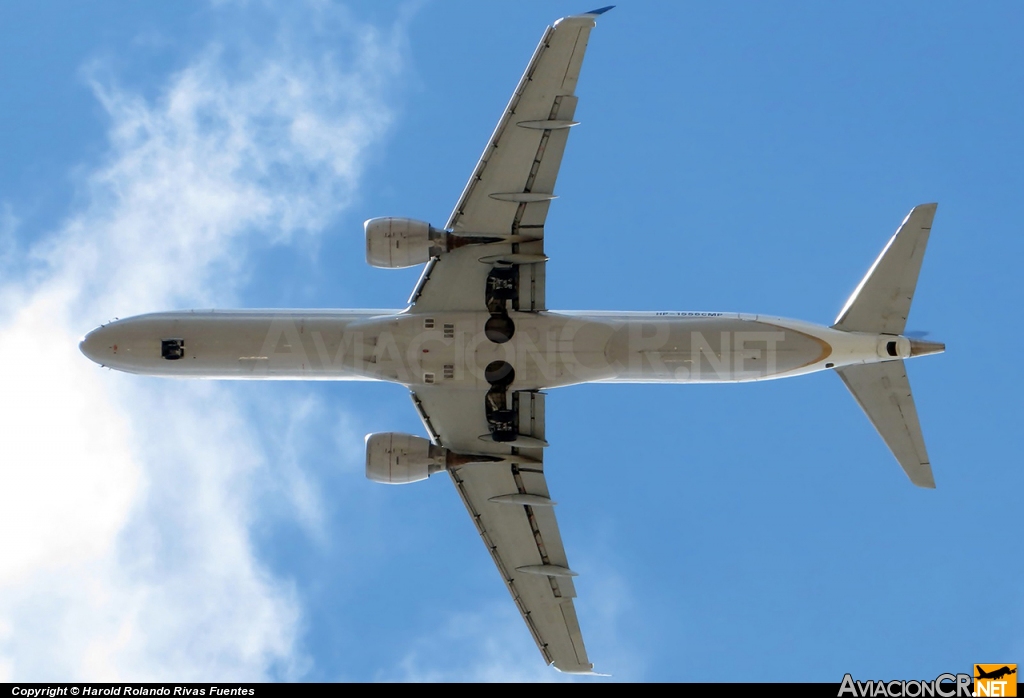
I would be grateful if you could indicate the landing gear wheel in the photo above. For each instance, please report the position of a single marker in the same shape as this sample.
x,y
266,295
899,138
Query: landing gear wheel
x,y
499,328
503,425
500,374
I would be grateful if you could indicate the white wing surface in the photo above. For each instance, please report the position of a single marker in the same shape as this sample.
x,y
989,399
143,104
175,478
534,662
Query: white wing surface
x,y
514,514
508,194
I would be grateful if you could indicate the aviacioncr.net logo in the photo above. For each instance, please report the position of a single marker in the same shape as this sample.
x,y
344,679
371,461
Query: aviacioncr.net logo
x,y
995,680
943,686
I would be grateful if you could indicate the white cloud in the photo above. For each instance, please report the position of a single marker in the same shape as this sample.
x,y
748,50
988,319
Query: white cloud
x,y
127,502
492,644
297,430
8,227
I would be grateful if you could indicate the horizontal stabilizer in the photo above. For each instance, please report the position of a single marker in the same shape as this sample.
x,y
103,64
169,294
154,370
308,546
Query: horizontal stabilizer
x,y
883,392
881,302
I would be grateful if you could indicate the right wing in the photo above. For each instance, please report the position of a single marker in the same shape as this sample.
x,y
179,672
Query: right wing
x,y
514,515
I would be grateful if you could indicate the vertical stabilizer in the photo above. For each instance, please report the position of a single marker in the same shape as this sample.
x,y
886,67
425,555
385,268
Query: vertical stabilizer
x,y
881,302
883,392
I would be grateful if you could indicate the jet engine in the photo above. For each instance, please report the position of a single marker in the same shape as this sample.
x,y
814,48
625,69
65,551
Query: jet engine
x,y
394,243
398,459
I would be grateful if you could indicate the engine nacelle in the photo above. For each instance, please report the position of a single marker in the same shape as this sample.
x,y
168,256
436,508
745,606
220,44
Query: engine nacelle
x,y
398,459
394,243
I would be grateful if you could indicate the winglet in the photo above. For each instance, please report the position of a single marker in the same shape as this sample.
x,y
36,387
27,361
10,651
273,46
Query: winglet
x,y
600,11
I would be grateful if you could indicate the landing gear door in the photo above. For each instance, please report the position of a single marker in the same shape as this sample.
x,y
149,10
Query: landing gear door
x,y
531,285
531,414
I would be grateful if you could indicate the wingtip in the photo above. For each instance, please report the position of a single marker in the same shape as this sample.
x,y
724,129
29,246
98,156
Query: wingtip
x,y
926,484
580,671
585,17
922,477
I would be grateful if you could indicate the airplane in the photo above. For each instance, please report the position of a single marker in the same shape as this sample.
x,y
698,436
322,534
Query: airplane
x,y
996,673
478,346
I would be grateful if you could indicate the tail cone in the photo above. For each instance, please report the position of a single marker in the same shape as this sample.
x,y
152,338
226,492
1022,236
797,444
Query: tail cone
x,y
920,347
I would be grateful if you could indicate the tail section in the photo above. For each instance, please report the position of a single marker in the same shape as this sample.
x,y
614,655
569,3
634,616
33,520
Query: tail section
x,y
880,305
883,392
881,301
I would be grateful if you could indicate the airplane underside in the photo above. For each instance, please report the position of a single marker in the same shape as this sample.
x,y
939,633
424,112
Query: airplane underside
x,y
477,346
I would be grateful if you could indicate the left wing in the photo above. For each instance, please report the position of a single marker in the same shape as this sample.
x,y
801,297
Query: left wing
x,y
514,514
508,194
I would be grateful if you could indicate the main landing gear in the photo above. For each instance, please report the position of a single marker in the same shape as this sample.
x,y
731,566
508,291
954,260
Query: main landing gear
x,y
502,288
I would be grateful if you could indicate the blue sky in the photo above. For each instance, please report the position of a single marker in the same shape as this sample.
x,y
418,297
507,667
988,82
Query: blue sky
x,y
738,157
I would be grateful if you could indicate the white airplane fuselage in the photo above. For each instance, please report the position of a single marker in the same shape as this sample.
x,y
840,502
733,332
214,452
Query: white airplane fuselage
x,y
547,350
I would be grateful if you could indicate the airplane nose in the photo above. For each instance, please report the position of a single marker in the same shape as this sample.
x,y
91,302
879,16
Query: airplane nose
x,y
94,346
